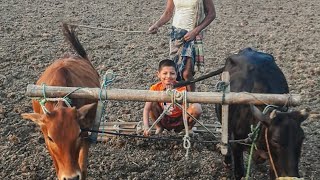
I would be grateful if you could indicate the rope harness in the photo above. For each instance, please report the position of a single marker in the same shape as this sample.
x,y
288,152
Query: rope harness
x,y
221,86
253,136
186,138
272,162
107,79
107,29
65,99
269,153
174,97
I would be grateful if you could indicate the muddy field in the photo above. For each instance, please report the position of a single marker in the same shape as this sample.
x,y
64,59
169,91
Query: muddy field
x,y
31,39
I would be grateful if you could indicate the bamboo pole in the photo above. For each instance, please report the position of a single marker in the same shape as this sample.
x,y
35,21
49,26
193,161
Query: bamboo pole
x,y
126,130
161,96
134,123
134,129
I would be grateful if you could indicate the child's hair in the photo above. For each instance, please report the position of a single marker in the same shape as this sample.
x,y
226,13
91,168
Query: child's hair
x,y
167,62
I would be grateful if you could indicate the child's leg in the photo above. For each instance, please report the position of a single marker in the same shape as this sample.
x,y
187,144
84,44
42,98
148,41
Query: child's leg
x,y
195,110
156,111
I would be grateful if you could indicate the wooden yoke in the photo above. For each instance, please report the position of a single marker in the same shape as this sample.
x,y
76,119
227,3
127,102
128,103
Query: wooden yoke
x,y
225,112
161,96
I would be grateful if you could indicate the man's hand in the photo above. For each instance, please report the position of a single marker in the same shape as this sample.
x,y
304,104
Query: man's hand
x,y
153,29
146,133
191,35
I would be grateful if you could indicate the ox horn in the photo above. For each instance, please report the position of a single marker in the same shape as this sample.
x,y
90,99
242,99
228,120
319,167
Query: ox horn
x,y
259,115
273,114
45,110
304,112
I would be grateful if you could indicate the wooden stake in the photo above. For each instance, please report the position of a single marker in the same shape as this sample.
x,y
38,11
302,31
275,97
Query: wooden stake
x,y
225,113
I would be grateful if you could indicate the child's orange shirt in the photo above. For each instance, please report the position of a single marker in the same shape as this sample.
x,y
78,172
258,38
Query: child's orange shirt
x,y
172,112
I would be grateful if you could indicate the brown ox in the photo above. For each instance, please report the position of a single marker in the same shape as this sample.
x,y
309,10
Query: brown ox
x,y
61,126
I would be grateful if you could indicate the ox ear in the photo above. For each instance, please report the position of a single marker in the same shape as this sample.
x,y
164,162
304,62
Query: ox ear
x,y
304,114
35,117
231,60
260,116
82,112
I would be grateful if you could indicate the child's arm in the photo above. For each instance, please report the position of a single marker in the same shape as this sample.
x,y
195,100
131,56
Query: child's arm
x,y
146,112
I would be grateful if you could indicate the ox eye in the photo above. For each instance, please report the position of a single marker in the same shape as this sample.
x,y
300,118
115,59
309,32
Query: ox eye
x,y
275,141
50,139
80,135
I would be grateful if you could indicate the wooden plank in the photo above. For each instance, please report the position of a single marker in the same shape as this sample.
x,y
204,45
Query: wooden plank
x,y
110,123
225,119
96,125
156,96
125,126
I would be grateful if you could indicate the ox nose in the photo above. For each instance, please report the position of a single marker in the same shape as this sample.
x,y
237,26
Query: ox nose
x,y
77,177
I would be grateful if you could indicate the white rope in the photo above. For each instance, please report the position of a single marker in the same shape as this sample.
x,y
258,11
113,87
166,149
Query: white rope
x,y
160,117
59,99
45,110
107,29
186,138
172,93
197,121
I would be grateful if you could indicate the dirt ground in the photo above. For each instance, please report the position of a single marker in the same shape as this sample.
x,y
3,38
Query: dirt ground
x,y
31,39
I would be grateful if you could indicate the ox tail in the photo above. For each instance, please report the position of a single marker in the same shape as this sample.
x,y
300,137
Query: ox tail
x,y
214,73
74,41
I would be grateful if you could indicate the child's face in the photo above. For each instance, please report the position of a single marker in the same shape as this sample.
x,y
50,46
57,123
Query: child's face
x,y
167,75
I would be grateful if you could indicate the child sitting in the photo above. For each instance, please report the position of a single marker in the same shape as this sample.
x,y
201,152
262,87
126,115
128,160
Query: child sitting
x,y
172,119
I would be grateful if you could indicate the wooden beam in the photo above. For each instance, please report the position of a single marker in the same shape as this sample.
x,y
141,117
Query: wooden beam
x,y
161,96
225,114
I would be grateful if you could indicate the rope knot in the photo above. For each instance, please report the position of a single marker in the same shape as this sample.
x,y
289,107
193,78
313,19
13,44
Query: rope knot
x,y
221,86
186,144
68,101
42,102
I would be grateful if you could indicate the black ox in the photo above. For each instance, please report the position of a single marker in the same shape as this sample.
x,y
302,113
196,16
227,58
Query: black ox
x,y
256,72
